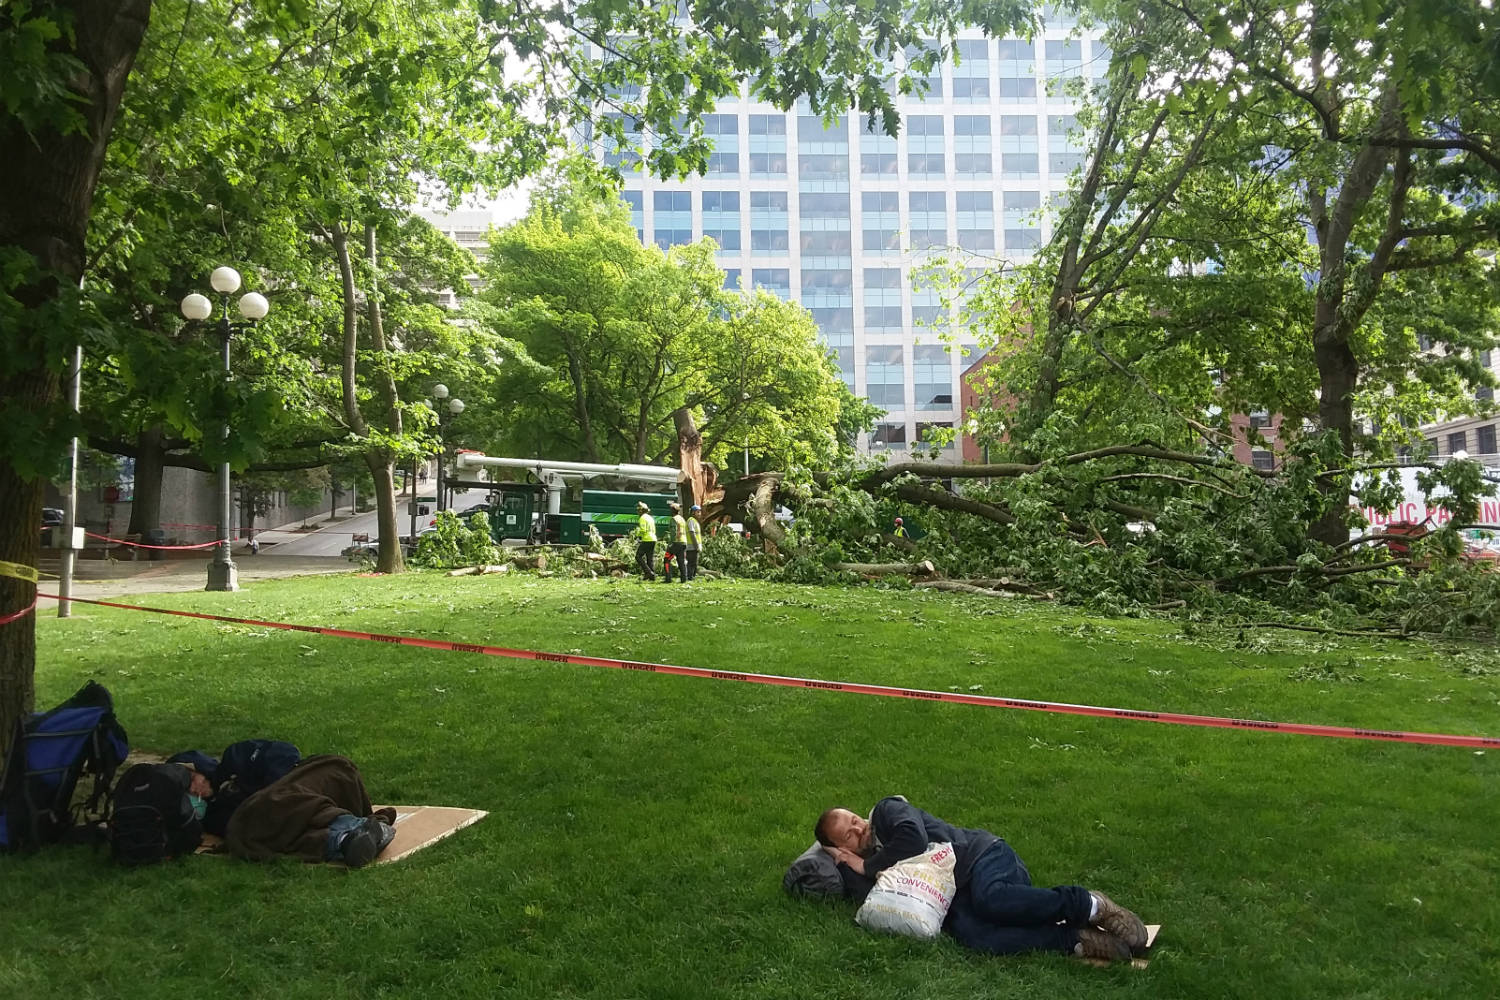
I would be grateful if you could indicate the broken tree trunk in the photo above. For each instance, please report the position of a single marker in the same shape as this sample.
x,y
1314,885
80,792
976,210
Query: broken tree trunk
x,y
923,568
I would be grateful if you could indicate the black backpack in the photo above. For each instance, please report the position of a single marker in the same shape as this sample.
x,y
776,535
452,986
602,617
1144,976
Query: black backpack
x,y
246,768
152,819
48,753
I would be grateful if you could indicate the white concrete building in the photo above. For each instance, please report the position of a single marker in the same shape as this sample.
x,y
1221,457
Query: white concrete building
x,y
843,219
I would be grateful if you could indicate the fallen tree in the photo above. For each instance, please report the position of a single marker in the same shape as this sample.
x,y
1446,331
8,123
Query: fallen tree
x,y
1130,528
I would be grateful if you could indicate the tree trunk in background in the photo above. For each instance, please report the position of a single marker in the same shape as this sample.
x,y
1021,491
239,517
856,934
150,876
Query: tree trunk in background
x,y
150,463
692,483
382,462
1338,376
47,180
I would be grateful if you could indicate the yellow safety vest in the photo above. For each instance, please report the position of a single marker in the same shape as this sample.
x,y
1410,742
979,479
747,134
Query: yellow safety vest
x,y
679,529
646,530
694,533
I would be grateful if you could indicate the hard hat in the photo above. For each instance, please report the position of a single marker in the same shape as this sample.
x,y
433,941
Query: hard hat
x,y
898,520
695,507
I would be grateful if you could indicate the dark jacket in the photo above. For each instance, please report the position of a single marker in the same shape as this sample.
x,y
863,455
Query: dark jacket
x,y
292,816
904,831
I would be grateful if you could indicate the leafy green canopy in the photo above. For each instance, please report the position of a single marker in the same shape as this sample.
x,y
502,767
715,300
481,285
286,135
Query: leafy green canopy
x,y
604,339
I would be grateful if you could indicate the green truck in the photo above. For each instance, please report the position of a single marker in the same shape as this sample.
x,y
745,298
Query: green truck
x,y
516,511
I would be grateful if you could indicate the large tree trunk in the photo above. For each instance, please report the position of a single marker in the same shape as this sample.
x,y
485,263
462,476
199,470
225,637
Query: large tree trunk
x,y
692,484
389,559
47,179
1338,376
382,461
150,462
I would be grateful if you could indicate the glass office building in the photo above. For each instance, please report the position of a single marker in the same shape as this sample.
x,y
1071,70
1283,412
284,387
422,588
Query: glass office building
x,y
844,220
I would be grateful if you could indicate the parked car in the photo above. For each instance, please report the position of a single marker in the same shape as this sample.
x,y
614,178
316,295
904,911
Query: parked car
x,y
52,517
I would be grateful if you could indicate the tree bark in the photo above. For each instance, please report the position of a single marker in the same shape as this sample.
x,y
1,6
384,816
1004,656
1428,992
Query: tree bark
x,y
692,484
150,462
47,180
923,568
380,460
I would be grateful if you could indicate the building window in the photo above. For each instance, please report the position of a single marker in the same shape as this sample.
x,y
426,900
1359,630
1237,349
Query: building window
x,y
769,241
932,378
721,201
764,165
885,376
1458,441
773,279
926,165
977,240
877,240
878,164
926,433
1020,166
975,166
825,206
1485,394
1485,439
823,166
1260,419
1024,240
819,243
886,435
1022,88
732,279
1263,459
1022,201
768,124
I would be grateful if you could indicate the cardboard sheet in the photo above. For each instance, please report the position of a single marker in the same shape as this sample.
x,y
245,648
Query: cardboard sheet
x,y
416,827
1140,961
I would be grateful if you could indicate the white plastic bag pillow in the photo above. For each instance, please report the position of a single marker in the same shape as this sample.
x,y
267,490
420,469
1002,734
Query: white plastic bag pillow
x,y
912,897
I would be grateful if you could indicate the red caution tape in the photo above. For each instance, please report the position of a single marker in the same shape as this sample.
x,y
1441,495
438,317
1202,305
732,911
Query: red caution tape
x,y
140,545
986,701
14,615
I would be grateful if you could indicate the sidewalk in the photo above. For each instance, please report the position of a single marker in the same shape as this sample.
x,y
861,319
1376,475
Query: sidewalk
x,y
101,579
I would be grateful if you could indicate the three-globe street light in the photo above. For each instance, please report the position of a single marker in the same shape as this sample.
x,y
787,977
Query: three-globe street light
x,y
222,574
455,407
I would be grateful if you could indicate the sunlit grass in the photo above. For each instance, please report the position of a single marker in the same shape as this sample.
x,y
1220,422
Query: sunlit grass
x,y
640,823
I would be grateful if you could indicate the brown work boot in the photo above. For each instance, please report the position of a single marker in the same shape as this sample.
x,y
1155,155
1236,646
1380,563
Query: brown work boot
x,y
386,815
1094,943
1120,922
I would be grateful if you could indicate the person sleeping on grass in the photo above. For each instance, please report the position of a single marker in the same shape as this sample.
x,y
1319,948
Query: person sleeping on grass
x,y
996,909
319,811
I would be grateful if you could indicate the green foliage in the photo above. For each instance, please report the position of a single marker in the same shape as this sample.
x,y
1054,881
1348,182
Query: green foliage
x,y
605,339
456,542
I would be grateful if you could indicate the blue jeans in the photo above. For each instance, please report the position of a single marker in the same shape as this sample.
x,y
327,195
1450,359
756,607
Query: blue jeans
x,y
347,823
1001,912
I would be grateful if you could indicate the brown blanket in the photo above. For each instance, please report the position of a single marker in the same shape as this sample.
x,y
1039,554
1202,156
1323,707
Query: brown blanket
x,y
292,815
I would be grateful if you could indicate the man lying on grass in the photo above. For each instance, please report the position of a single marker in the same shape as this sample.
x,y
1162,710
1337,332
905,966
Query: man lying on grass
x,y
996,908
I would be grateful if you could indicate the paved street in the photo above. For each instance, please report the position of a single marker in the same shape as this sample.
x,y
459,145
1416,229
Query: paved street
x,y
295,553
332,536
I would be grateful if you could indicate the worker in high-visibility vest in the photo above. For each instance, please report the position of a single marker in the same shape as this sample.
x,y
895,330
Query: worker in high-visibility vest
x,y
900,529
677,549
694,543
645,541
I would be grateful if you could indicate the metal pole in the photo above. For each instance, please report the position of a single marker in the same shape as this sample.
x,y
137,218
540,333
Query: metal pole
x,y
70,504
438,506
222,573
412,507
747,458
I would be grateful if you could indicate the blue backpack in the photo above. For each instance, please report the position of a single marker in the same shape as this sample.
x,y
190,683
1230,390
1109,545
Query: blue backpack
x,y
47,755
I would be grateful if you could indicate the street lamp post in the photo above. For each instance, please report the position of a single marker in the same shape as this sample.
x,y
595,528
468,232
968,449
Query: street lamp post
x,y
222,574
455,407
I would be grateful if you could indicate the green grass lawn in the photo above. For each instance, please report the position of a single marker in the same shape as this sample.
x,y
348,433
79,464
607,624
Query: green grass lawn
x,y
640,824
